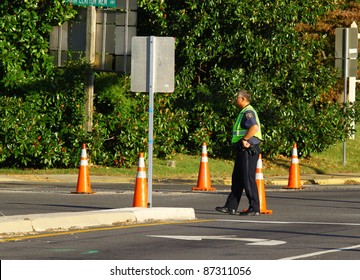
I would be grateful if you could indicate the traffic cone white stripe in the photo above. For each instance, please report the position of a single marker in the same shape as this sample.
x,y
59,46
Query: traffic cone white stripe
x,y
83,153
141,162
259,175
203,150
141,174
83,159
295,158
204,159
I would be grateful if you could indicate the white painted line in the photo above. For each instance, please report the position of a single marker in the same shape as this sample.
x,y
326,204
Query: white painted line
x,y
303,223
321,253
289,223
251,241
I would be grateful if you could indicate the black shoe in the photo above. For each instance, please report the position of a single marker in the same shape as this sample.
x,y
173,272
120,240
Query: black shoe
x,y
250,212
225,210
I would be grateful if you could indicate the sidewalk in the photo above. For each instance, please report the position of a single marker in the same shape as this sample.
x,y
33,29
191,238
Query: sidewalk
x,y
306,179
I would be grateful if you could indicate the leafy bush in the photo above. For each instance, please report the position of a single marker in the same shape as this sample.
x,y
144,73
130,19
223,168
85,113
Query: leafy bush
x,y
43,126
123,118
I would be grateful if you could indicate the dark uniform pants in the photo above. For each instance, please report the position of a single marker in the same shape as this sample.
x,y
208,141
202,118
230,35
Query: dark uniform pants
x,y
244,177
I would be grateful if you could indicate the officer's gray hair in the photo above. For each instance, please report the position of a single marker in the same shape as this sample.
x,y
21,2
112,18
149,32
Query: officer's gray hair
x,y
244,93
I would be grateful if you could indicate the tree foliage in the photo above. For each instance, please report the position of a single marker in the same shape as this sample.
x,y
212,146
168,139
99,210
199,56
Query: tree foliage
x,y
225,45
25,26
282,51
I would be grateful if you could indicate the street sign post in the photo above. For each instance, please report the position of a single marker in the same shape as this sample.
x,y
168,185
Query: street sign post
x,y
152,70
346,53
97,3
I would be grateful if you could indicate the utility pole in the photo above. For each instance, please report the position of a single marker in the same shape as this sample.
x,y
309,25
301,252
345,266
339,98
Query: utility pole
x,y
90,57
90,51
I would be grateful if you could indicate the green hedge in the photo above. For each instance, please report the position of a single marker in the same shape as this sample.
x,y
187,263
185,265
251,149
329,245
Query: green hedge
x,y
41,125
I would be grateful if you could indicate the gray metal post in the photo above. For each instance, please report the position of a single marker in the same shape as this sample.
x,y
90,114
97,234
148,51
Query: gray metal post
x,y
60,38
345,68
103,43
126,35
151,117
90,56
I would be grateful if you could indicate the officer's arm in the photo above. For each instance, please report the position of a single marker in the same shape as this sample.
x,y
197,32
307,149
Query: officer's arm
x,y
250,133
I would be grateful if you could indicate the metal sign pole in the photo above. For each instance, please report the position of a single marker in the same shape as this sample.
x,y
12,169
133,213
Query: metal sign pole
x,y
151,117
152,70
345,67
126,35
59,45
103,43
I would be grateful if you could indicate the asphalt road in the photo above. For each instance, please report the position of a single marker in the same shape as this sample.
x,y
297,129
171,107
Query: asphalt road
x,y
317,223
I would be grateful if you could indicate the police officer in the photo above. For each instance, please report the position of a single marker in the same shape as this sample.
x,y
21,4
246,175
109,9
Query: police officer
x,y
246,142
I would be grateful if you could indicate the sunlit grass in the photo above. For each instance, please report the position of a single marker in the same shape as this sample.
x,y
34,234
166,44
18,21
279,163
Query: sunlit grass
x,y
187,167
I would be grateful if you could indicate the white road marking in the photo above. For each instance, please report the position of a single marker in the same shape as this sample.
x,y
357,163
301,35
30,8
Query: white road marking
x,y
284,223
321,253
251,241
303,223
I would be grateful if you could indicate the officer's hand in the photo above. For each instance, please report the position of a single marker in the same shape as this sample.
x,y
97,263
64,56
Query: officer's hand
x,y
245,143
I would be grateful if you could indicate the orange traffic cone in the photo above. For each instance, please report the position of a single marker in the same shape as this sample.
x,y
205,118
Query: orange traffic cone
x,y
261,187
294,174
141,186
83,183
204,183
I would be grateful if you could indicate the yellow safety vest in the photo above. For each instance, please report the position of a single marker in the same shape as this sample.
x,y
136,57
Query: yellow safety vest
x,y
238,131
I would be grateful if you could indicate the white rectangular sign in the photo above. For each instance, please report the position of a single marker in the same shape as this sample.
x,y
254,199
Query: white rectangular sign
x,y
163,64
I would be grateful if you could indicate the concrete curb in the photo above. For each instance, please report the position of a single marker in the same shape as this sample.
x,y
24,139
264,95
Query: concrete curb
x,y
306,179
35,223
316,181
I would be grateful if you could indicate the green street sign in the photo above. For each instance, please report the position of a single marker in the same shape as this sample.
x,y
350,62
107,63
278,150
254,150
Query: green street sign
x,y
98,3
